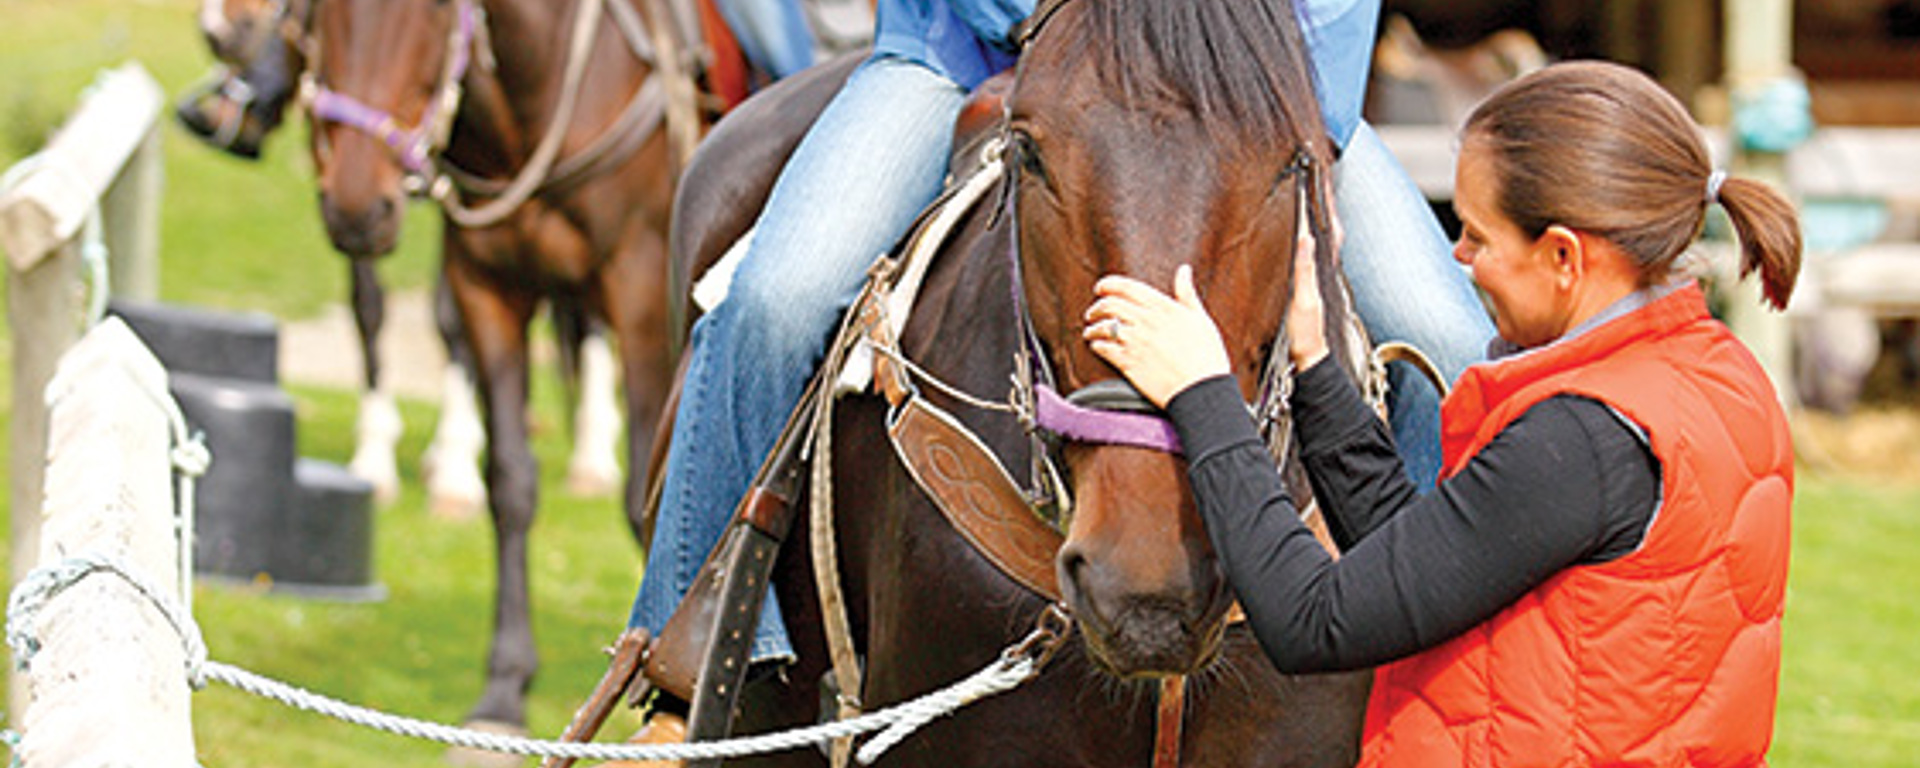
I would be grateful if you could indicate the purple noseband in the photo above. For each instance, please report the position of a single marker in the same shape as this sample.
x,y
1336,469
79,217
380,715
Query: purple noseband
x,y
1107,427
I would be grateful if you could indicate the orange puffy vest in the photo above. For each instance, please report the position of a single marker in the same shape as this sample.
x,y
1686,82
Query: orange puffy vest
x,y
1669,656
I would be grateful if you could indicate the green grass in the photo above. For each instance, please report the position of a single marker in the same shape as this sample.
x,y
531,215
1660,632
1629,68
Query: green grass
x,y
422,651
243,235
1846,695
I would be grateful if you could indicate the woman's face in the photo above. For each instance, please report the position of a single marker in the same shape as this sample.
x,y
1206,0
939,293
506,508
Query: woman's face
x,y
1517,273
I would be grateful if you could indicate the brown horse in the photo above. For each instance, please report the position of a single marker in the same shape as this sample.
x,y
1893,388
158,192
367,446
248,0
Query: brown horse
x,y
261,47
1139,135
436,90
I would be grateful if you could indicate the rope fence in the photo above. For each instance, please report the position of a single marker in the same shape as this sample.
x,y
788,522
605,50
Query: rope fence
x,y
1016,665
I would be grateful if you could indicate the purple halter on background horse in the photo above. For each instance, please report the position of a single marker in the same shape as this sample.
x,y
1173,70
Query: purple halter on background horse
x,y
1138,135
535,126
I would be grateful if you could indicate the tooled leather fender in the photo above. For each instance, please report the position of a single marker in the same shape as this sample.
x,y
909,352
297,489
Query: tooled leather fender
x,y
974,492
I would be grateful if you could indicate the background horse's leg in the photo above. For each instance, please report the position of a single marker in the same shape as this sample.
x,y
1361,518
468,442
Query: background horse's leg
x,y
451,463
496,318
379,424
587,365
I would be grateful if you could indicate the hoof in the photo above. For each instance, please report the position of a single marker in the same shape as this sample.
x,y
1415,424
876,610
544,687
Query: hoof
x,y
593,482
456,507
468,757
378,473
454,490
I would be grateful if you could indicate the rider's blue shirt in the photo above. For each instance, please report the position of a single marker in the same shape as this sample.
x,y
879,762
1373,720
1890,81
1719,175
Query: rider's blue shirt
x,y
965,40
1340,40
968,40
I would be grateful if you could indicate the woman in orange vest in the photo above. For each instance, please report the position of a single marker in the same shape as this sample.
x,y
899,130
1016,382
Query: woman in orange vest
x,y
1598,579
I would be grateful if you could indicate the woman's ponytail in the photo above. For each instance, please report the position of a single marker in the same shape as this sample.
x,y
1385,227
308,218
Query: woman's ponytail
x,y
1769,233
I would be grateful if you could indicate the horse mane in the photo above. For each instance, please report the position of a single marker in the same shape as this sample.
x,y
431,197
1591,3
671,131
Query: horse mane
x,y
1241,60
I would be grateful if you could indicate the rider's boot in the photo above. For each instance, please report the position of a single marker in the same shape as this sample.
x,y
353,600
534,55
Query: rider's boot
x,y
664,726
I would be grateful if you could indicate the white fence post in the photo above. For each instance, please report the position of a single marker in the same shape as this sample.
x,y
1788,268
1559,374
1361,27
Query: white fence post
x,y
107,152
108,684
1759,48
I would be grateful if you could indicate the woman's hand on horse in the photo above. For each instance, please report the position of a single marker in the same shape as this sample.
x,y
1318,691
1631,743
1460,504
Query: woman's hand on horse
x,y
1161,343
1306,323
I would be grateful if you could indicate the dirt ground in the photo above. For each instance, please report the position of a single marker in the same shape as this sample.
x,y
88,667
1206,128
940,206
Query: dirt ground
x,y
325,350
1879,442
1879,439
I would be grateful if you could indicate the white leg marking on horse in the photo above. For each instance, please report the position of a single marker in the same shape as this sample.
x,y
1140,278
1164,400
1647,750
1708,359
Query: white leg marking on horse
x,y
451,464
376,431
594,469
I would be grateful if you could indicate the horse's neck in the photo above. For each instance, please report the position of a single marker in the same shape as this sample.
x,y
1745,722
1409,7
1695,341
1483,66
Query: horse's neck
x,y
965,328
510,89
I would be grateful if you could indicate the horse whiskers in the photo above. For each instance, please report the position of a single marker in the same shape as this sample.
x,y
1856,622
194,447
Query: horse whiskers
x,y
1223,672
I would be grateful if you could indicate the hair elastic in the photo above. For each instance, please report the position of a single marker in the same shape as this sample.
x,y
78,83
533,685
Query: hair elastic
x,y
1714,182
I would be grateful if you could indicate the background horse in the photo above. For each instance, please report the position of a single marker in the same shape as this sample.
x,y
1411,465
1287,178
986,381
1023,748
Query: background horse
x,y
1142,135
261,46
499,88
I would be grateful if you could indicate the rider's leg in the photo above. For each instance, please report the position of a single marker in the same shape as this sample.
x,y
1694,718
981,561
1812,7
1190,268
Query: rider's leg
x,y
875,157
1408,288
772,33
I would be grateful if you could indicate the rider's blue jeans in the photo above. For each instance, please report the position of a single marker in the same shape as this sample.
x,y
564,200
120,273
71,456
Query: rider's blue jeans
x,y
1408,288
876,156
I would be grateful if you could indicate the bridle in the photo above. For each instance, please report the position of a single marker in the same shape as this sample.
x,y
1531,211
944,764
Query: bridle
x,y
413,148
1111,411
418,150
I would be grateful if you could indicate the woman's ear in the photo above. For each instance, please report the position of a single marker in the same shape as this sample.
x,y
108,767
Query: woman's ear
x,y
1563,248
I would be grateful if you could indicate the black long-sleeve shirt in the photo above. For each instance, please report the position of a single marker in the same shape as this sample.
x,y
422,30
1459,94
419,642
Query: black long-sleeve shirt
x,y
1570,482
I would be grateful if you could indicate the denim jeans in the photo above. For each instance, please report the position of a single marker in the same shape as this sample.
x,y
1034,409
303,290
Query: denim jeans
x,y
772,33
1408,288
875,157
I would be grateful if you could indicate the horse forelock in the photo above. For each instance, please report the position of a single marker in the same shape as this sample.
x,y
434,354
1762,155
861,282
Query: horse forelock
x,y
1239,67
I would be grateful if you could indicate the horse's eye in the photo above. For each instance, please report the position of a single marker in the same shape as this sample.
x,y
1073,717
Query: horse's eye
x,y
1026,156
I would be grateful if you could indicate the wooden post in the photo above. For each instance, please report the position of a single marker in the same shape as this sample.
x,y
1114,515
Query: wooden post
x,y
1759,53
54,193
108,685
131,210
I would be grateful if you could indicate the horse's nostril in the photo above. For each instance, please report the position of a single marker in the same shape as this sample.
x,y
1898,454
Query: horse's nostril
x,y
1070,562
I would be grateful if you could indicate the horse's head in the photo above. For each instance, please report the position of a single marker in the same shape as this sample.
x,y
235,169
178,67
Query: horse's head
x,y
256,43
384,81
235,29
1146,135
